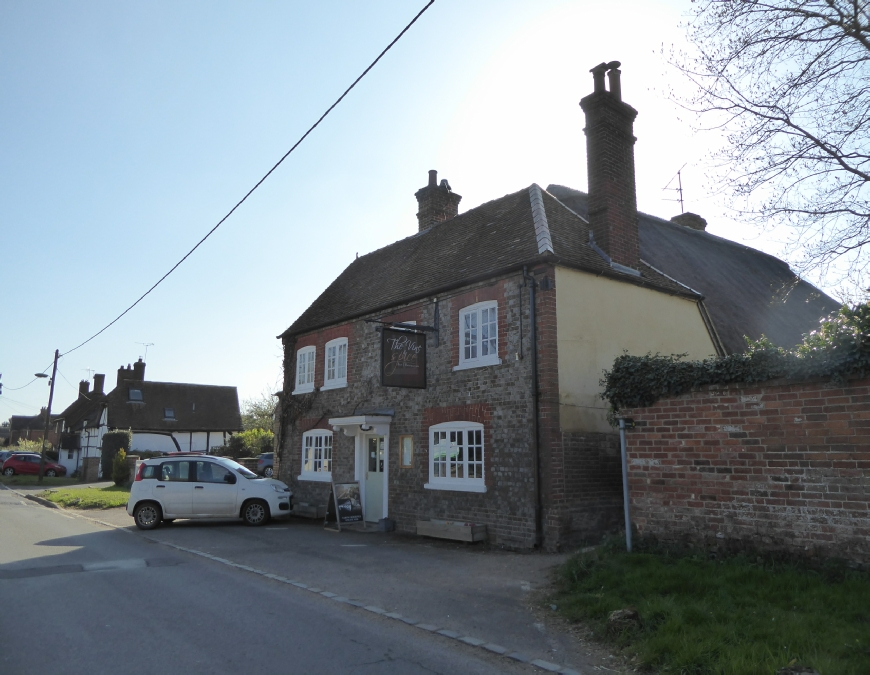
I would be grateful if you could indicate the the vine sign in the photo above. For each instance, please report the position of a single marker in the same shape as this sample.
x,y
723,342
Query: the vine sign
x,y
403,359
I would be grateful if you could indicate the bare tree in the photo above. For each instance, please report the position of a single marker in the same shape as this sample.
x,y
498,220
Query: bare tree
x,y
789,82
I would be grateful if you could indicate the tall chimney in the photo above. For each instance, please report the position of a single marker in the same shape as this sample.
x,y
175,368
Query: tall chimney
x,y
610,167
99,380
139,370
437,202
124,374
84,387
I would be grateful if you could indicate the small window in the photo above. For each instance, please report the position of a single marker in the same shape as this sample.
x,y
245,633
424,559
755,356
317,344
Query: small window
x,y
335,372
456,457
210,472
169,413
305,370
175,471
316,455
478,335
135,394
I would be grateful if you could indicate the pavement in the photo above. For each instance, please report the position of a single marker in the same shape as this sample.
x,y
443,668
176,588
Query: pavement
x,y
478,594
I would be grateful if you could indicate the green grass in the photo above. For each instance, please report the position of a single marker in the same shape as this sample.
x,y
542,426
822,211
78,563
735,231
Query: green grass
x,y
89,498
734,616
33,480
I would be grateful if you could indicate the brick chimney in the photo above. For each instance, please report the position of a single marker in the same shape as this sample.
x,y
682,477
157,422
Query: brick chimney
x,y
139,370
437,202
84,388
99,380
610,168
689,219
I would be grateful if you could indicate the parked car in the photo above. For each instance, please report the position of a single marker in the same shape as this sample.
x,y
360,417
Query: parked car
x,y
202,486
28,463
265,464
4,455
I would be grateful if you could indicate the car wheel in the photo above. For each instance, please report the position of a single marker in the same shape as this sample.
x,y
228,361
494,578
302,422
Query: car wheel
x,y
51,473
147,516
267,472
9,471
255,512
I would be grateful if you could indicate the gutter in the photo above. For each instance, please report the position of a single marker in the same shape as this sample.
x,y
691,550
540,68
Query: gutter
x,y
533,339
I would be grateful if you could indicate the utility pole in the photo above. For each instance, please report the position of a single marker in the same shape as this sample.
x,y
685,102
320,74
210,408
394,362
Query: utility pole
x,y
48,415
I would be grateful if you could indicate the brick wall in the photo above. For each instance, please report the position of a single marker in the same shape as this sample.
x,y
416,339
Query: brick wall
x,y
782,466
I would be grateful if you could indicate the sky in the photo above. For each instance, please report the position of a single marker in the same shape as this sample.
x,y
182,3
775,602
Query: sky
x,y
131,129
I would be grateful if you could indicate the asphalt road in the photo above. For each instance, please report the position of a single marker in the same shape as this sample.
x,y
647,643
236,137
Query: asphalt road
x,y
79,598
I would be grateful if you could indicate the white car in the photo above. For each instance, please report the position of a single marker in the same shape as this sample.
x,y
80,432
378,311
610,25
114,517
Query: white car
x,y
203,486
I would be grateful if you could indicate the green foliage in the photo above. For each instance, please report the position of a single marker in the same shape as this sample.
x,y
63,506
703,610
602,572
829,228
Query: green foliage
x,y
89,498
25,445
839,349
732,616
113,441
120,468
248,443
257,412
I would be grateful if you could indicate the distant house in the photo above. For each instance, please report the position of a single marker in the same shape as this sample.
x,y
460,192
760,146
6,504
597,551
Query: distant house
x,y
163,416
455,373
31,428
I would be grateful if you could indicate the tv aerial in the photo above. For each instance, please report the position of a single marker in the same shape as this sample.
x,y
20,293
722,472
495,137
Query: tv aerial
x,y
678,189
146,345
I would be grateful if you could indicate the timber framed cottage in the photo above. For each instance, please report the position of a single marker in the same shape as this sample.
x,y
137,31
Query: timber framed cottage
x,y
455,373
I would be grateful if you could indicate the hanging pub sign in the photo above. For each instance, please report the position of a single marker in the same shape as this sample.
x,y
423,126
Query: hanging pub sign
x,y
403,358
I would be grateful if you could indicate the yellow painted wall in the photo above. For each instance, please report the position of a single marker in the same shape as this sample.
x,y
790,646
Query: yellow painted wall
x,y
597,319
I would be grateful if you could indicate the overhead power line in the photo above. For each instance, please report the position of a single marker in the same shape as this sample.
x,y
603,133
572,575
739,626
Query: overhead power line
x,y
259,182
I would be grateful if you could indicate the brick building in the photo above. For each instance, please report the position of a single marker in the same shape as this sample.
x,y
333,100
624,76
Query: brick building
x,y
454,373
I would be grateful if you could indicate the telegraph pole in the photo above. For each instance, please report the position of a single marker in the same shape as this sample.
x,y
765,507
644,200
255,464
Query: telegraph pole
x,y
48,415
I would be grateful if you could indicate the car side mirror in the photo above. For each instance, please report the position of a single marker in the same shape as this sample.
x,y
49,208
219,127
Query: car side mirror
x,y
229,478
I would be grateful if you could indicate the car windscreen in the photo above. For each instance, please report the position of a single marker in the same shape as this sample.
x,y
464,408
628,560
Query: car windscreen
x,y
238,468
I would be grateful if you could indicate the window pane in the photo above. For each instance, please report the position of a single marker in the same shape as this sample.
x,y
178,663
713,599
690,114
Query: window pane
x,y
330,363
342,361
306,454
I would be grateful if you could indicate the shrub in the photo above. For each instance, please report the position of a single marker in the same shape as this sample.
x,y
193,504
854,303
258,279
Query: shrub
x,y
839,349
248,443
120,469
113,441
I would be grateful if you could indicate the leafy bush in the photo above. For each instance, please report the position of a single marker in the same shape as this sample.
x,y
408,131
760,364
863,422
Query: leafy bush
x,y
25,445
120,469
113,441
839,349
248,443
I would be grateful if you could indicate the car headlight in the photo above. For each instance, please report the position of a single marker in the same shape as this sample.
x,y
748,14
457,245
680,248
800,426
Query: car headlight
x,y
278,488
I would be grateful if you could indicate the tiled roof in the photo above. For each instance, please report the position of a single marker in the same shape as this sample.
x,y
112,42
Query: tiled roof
x,y
86,409
522,228
746,292
196,407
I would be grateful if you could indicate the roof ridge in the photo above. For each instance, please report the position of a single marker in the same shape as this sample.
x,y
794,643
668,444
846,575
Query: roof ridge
x,y
539,218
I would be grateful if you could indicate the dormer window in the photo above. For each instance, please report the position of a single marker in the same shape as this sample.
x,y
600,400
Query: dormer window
x,y
169,413
134,395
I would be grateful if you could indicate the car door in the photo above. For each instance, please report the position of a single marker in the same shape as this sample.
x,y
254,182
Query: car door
x,y
214,490
174,488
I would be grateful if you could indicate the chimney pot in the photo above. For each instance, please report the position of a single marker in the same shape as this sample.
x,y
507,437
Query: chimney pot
x,y
84,388
433,178
613,77
598,76
99,379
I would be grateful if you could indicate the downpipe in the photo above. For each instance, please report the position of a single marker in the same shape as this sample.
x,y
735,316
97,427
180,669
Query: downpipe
x,y
529,279
625,501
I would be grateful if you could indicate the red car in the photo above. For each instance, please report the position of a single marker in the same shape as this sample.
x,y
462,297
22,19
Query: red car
x,y
22,462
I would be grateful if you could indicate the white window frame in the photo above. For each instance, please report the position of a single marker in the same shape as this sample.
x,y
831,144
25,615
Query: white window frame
x,y
305,360
473,462
337,380
312,441
476,347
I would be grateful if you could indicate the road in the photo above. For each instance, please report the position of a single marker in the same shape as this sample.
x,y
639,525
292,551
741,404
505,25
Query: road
x,y
76,597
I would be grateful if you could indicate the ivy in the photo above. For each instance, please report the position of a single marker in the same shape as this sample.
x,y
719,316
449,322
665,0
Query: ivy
x,y
839,349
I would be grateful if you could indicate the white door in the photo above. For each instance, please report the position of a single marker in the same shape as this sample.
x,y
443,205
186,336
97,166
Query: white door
x,y
214,490
374,453
174,489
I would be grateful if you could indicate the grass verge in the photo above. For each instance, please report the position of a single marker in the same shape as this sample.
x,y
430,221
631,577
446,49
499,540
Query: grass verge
x,y
33,480
89,498
734,616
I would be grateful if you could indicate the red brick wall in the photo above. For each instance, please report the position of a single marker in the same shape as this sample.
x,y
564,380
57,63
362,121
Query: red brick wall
x,y
779,466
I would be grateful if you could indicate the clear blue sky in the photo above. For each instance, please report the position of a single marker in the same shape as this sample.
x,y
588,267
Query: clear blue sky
x,y
130,129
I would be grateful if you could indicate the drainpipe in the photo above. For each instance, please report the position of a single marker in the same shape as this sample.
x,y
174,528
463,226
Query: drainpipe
x,y
625,504
529,280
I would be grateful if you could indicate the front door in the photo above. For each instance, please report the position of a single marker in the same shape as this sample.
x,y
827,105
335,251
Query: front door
x,y
374,506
